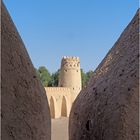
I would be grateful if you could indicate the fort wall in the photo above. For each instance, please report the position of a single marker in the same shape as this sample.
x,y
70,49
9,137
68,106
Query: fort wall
x,y
59,99
62,97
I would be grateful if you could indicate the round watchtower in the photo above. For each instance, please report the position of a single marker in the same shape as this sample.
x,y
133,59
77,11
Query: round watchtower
x,y
70,75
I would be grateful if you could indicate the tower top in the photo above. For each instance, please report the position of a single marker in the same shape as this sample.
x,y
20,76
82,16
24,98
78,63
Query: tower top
x,y
70,62
70,58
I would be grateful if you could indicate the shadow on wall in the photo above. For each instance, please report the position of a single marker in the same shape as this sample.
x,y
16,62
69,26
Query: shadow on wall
x,y
64,107
52,107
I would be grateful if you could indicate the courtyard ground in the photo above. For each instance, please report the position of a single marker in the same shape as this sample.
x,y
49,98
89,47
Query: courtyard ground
x,y
60,129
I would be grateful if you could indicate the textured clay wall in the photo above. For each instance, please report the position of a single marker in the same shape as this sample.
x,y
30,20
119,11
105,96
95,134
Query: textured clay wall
x,y
59,101
25,113
107,109
70,75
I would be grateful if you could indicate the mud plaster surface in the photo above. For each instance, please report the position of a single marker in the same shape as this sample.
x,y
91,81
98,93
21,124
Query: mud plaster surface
x,y
107,109
25,111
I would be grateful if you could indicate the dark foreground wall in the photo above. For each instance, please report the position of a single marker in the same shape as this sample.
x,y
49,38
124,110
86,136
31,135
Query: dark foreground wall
x,y
107,109
25,113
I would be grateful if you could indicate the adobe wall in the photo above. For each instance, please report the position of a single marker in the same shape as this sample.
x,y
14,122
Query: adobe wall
x,y
58,95
25,112
107,109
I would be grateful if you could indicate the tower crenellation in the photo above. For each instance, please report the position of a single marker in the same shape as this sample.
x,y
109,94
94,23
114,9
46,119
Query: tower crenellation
x,y
70,62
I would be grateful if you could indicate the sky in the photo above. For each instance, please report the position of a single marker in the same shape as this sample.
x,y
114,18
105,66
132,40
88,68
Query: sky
x,y
52,29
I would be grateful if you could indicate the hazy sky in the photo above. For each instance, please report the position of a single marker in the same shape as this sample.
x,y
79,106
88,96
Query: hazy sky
x,y
51,29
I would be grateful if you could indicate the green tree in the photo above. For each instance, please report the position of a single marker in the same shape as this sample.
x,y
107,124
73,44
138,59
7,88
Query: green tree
x,y
37,72
88,75
83,77
54,79
44,75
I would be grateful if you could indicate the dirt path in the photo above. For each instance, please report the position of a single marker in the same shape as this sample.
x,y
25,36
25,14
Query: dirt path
x,y
60,129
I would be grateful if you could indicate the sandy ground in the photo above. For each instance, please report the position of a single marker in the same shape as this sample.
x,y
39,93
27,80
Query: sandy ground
x,y
60,129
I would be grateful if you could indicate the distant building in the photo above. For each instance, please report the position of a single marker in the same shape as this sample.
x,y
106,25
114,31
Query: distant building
x,y
61,98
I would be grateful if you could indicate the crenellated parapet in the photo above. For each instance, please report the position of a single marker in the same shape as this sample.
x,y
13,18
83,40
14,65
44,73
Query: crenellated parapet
x,y
58,89
70,62
71,58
